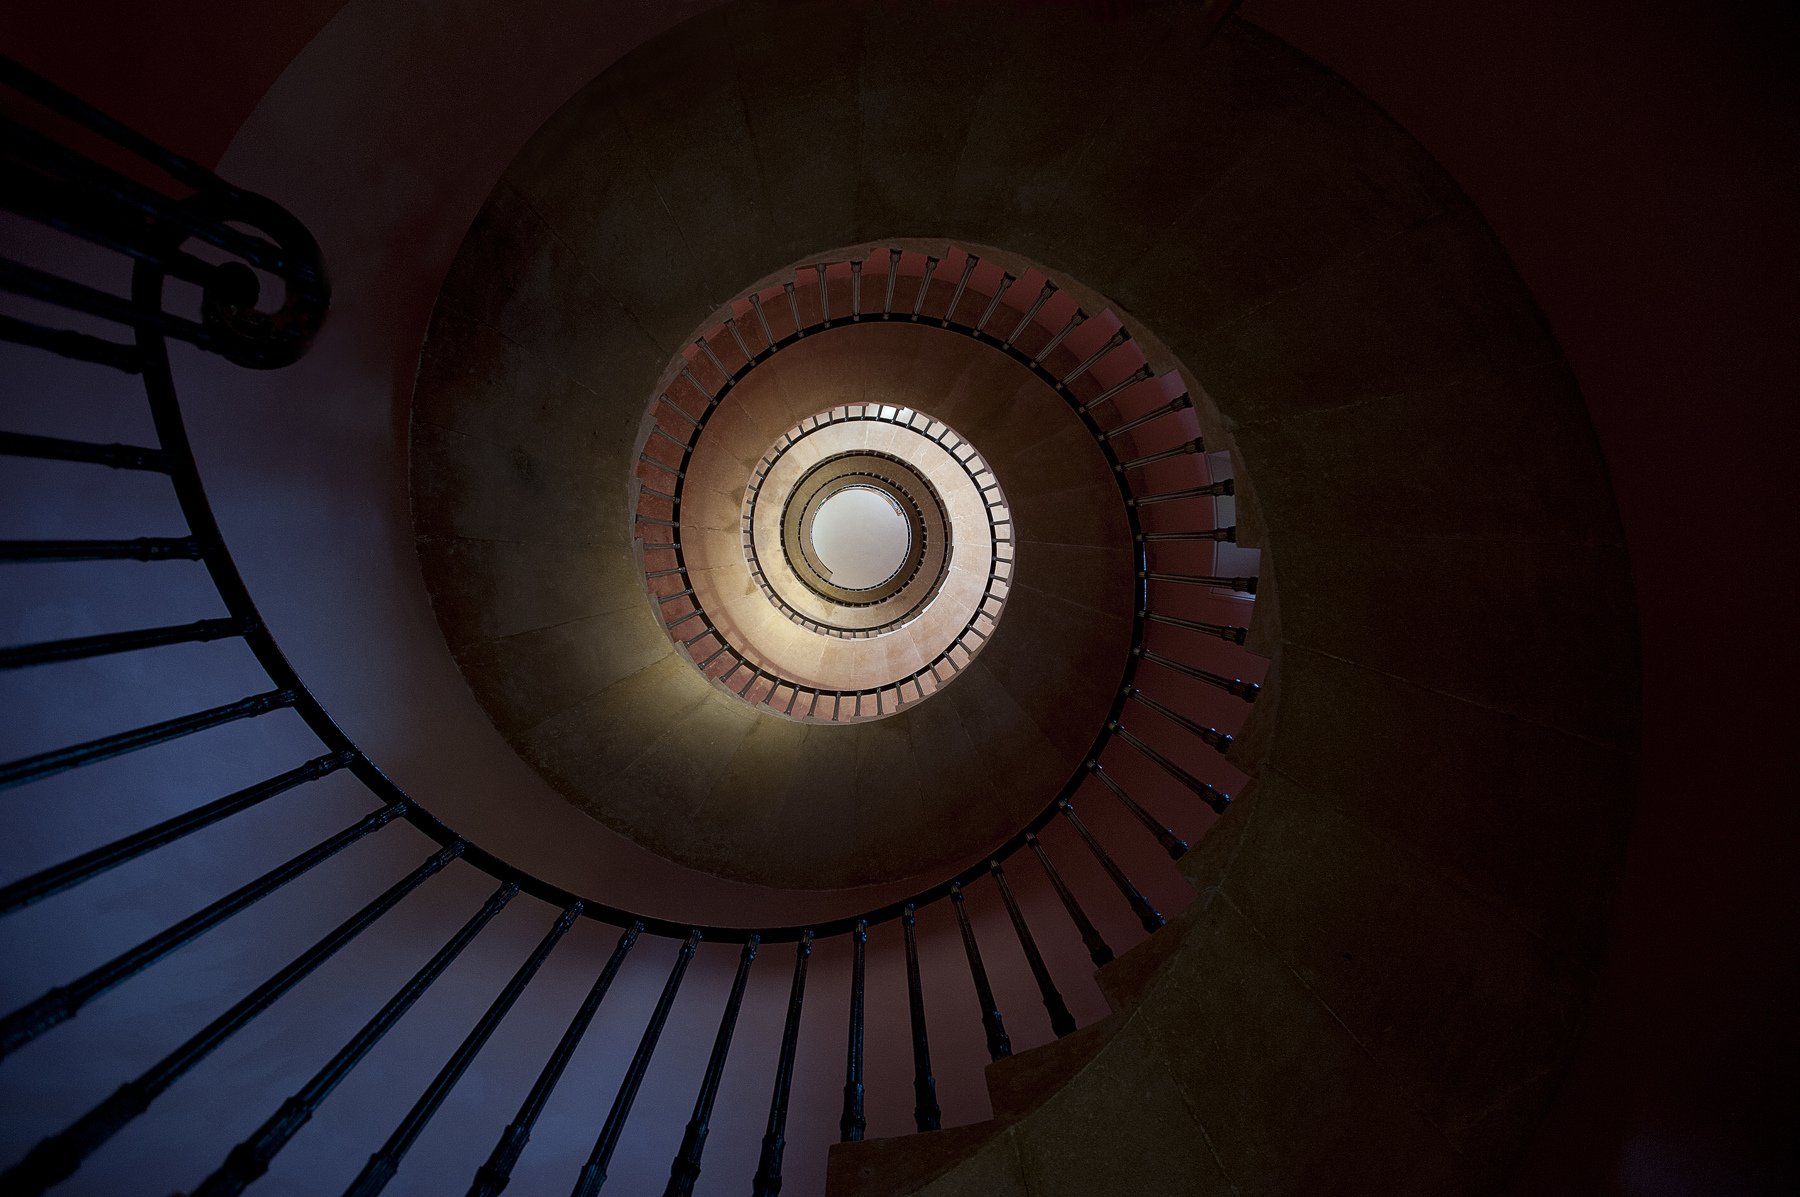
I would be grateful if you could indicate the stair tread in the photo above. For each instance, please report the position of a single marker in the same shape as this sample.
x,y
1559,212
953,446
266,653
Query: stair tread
x,y
882,1167
1020,1083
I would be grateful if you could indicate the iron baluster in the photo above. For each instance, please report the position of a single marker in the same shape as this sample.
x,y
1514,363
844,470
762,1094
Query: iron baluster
x,y
57,760
1215,798
1231,635
1006,280
1227,535
924,286
117,456
1075,322
62,1003
1236,687
386,1162
1179,403
250,1159
72,872
763,320
78,648
1098,951
1111,343
686,1168
1246,585
56,1158
494,1175
1171,843
593,1173
1211,736
999,1044
1048,290
852,1123
1197,445
926,1113
1141,374
1061,1021
767,1181
962,284
1224,488
1140,905
73,345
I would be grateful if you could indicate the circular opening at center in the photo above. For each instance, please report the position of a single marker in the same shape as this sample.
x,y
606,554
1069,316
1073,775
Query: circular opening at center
x,y
861,537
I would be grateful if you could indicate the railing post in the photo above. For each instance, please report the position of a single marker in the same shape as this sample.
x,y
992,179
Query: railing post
x,y
1098,951
767,1181
250,1159
999,1045
493,1176
1061,1021
926,1113
91,864
56,1158
1171,843
1232,635
852,1124
1178,404
1236,687
1211,736
62,1003
1140,905
686,1168
386,1162
593,1173
1213,797
74,757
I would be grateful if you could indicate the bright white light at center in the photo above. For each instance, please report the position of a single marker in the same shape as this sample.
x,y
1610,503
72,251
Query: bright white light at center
x,y
860,536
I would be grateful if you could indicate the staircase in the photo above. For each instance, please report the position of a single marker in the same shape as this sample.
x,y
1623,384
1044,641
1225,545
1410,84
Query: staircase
x,y
1368,350
1022,686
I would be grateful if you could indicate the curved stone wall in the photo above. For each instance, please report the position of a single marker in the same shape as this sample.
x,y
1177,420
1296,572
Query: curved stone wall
x,y
1412,895
1456,705
646,743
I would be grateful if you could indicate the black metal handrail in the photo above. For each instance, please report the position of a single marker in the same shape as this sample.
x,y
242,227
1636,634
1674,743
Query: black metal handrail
x,y
153,229
56,186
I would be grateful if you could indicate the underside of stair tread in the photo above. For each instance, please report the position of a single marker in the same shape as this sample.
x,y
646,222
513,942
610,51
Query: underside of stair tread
x,y
1124,979
888,1167
1017,1085
1021,1082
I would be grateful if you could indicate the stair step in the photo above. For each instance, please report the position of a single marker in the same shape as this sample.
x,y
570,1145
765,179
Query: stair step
x,y
1124,979
885,1167
1020,1083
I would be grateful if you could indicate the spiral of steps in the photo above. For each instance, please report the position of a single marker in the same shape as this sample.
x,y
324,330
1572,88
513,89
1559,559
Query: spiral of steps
x,y
1090,858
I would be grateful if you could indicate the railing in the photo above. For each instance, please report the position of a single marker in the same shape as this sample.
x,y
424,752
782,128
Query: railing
x,y
742,670
938,433
54,185
725,351
683,609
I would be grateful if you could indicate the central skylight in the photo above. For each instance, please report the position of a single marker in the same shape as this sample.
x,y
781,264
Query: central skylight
x,y
861,537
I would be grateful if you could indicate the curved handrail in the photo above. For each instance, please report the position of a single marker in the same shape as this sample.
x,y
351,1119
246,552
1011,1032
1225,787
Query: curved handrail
x,y
153,230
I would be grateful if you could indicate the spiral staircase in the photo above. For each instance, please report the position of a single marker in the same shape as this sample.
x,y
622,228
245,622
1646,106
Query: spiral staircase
x,y
1070,834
